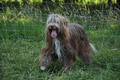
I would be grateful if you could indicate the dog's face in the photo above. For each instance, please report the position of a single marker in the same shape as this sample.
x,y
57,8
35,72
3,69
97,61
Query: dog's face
x,y
55,24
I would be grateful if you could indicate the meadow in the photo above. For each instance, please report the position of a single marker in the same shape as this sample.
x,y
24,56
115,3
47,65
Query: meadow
x,y
22,37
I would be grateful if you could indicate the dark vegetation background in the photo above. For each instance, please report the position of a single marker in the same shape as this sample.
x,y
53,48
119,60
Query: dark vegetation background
x,y
22,24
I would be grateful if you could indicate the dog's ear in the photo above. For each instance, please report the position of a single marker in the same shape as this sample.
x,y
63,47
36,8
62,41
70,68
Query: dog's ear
x,y
65,23
48,37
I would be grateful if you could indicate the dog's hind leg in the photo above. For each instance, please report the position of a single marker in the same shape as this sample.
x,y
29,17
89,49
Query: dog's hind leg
x,y
85,56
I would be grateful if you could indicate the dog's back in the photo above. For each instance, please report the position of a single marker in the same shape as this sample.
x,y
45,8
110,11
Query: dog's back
x,y
79,41
77,34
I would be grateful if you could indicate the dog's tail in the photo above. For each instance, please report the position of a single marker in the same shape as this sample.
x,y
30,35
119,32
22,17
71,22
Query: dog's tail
x,y
93,48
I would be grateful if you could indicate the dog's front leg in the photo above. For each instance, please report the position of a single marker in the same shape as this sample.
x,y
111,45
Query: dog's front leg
x,y
67,62
45,60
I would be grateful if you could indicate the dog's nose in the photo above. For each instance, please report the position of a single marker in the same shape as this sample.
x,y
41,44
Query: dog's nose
x,y
52,26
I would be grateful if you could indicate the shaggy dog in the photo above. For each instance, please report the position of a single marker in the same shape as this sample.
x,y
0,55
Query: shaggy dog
x,y
64,41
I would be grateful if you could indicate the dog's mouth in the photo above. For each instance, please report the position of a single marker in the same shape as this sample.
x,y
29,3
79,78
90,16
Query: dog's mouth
x,y
53,33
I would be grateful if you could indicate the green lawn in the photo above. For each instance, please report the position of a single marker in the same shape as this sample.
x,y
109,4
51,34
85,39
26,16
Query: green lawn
x,y
22,37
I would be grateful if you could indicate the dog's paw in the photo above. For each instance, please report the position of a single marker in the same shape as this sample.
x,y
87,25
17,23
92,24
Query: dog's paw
x,y
42,68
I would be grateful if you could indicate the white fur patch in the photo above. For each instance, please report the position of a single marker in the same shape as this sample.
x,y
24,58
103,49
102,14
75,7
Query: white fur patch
x,y
42,68
57,48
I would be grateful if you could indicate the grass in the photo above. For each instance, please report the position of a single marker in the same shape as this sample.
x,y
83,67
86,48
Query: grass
x,y
22,37
20,61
